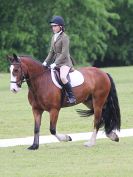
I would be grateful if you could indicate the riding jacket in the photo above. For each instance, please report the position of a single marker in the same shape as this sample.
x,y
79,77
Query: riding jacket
x,y
59,51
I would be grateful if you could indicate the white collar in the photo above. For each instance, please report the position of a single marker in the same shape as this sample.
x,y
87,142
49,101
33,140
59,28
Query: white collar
x,y
56,35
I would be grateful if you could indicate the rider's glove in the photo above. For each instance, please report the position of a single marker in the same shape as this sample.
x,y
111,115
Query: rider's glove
x,y
44,63
52,66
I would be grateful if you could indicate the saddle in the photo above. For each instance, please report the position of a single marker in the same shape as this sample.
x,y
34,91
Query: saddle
x,y
75,78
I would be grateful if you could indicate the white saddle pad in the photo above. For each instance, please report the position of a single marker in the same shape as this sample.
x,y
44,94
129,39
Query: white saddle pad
x,y
76,78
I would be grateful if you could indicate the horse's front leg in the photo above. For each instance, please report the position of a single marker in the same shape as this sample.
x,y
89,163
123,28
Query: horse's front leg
x,y
53,120
37,122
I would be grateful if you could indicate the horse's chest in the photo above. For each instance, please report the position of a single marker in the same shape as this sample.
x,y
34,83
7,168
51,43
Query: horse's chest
x,y
43,100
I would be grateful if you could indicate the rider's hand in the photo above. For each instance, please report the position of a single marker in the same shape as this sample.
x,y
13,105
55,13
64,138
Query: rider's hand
x,y
44,63
52,66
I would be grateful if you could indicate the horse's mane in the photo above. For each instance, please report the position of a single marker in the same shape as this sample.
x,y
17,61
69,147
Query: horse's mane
x,y
31,58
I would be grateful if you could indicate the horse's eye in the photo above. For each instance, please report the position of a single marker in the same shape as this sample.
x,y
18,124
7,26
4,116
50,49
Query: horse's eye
x,y
15,70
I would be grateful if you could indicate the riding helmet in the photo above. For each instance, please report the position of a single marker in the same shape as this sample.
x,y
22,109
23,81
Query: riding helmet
x,y
57,20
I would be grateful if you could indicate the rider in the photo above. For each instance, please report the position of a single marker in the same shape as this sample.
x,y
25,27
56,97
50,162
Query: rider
x,y
59,54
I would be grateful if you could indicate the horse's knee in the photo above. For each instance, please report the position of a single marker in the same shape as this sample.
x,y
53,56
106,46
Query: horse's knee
x,y
53,131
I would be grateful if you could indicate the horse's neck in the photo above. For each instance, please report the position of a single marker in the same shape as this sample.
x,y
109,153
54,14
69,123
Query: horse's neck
x,y
32,67
33,70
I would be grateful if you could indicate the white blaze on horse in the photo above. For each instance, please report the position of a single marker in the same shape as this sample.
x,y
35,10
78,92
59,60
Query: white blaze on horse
x,y
13,86
97,92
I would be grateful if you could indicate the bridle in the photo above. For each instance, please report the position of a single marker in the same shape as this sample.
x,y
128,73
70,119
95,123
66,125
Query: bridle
x,y
22,76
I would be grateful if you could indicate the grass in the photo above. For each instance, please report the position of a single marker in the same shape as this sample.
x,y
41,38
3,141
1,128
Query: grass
x,y
106,159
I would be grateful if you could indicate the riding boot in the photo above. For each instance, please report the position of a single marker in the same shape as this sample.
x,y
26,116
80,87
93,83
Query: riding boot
x,y
71,97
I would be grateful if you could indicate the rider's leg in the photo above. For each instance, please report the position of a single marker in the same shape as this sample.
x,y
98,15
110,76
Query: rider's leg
x,y
64,70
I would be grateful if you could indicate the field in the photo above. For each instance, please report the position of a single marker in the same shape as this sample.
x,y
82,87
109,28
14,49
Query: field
x,y
106,159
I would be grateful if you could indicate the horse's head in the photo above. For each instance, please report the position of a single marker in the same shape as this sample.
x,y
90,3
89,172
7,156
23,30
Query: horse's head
x,y
17,75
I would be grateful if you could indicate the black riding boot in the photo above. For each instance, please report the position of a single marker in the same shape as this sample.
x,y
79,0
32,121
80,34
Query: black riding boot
x,y
71,97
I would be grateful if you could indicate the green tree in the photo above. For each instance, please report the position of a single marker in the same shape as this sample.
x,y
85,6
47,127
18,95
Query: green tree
x,y
89,24
24,27
120,48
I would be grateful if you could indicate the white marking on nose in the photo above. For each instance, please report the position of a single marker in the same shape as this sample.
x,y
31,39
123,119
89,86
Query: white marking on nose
x,y
13,86
13,78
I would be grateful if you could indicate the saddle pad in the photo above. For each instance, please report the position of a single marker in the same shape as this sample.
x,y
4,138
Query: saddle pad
x,y
76,78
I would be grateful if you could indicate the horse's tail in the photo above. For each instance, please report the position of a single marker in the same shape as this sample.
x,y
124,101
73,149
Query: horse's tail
x,y
85,113
111,113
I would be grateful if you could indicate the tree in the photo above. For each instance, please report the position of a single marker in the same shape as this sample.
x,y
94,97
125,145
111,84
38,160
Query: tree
x,y
89,26
25,29
120,48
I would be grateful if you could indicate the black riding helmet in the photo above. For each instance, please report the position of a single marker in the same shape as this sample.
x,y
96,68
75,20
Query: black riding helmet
x,y
58,20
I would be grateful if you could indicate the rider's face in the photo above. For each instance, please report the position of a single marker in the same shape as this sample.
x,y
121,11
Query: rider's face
x,y
55,28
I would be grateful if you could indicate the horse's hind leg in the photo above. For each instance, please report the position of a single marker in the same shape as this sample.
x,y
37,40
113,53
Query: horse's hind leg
x,y
97,105
113,136
53,120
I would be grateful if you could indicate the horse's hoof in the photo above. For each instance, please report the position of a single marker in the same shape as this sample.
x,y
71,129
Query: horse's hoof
x,y
70,139
33,147
113,136
117,139
88,144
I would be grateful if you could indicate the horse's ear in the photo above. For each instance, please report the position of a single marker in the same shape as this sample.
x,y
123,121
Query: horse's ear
x,y
15,57
10,58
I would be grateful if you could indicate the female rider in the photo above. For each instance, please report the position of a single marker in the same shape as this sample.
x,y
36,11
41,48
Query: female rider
x,y
59,55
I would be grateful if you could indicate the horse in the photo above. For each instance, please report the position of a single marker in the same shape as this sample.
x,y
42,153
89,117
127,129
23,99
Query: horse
x,y
97,92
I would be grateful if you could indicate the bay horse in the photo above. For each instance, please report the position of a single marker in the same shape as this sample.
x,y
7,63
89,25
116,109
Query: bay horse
x,y
97,92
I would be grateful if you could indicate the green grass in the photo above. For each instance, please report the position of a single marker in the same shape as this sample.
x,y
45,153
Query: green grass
x,y
106,159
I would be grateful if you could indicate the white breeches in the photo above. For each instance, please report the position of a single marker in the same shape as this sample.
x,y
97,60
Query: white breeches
x,y
64,70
